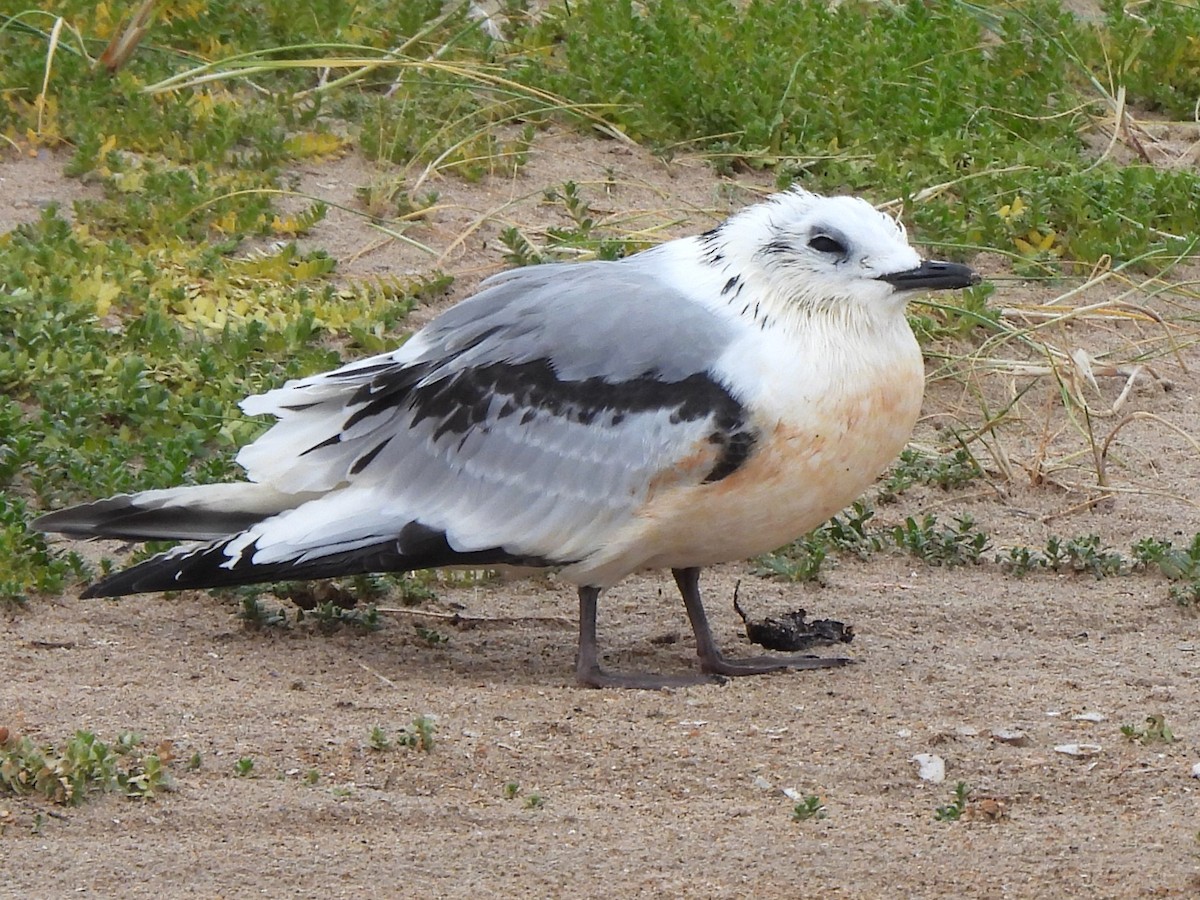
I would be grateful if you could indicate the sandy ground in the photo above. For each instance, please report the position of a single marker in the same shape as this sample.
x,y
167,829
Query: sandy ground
x,y
674,793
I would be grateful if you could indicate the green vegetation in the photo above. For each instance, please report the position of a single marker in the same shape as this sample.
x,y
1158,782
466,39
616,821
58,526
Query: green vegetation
x,y
431,636
134,322
897,98
378,739
1182,566
810,807
417,736
1155,731
953,811
83,766
535,801
947,471
963,543
940,545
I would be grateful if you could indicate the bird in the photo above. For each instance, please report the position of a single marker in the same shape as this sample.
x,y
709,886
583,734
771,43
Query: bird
x,y
702,401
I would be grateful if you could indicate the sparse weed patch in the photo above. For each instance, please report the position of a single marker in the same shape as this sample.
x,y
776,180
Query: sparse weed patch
x,y
953,811
810,808
331,604
1180,565
965,317
331,617
84,765
256,614
963,543
848,531
431,636
1083,554
1020,561
535,801
941,545
1155,731
378,739
799,561
584,237
947,471
419,735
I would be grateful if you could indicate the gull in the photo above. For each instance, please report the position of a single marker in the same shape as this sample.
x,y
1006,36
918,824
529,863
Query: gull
x,y
703,401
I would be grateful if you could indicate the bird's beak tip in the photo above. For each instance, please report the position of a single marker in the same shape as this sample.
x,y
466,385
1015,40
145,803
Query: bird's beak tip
x,y
934,275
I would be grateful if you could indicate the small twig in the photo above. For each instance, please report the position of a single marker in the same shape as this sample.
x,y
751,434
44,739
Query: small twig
x,y
382,678
52,645
1085,506
1142,414
991,492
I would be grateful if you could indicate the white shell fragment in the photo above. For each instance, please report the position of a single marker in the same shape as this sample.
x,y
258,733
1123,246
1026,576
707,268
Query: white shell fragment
x,y
794,795
1014,736
1196,770
932,767
1089,716
1079,751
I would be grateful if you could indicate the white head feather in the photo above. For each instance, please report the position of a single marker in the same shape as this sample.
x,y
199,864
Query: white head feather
x,y
807,251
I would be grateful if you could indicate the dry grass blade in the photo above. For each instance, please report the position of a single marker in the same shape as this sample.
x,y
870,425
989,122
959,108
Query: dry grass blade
x,y
1052,359
243,65
126,41
42,97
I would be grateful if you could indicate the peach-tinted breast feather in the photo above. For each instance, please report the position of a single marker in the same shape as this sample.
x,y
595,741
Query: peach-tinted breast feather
x,y
805,468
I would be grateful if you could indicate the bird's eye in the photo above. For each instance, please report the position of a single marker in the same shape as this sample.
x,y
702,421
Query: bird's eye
x,y
823,243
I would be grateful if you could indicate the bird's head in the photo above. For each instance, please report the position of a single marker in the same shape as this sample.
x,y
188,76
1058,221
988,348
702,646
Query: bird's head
x,y
811,252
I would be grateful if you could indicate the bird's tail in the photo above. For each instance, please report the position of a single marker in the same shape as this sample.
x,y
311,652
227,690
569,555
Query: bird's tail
x,y
195,513
210,565
224,523
217,564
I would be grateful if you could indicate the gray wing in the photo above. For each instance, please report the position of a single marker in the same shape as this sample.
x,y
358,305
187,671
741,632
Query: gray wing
x,y
536,417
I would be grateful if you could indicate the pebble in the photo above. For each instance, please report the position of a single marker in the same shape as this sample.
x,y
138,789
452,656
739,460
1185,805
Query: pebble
x,y
932,767
1078,750
1013,736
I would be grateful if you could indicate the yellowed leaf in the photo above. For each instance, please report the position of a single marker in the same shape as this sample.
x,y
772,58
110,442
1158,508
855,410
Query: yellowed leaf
x,y
311,144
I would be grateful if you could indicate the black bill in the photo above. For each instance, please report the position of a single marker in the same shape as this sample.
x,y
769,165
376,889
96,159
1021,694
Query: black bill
x,y
932,275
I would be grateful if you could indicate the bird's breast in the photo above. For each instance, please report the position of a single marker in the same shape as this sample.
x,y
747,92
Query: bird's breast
x,y
821,441
805,469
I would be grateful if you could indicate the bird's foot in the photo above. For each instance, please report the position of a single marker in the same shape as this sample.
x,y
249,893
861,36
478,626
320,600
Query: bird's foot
x,y
598,677
761,665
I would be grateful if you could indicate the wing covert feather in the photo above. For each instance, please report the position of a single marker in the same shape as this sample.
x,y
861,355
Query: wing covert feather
x,y
536,417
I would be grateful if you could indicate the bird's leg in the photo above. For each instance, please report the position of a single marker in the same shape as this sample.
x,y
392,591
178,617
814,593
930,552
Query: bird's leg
x,y
588,670
711,660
